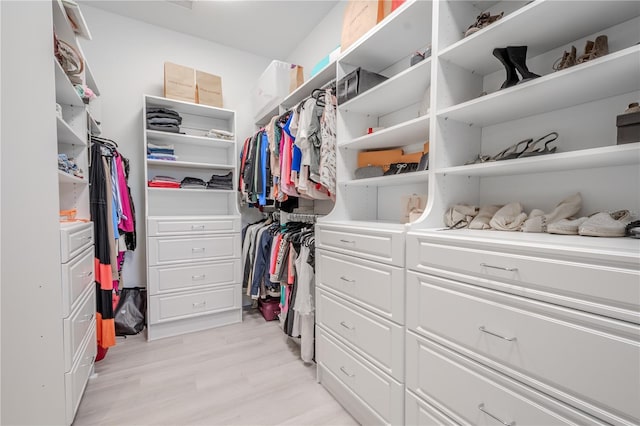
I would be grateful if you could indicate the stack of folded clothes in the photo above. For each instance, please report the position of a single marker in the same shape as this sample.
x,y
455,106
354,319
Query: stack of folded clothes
x,y
221,181
220,134
193,183
163,182
160,152
68,165
163,119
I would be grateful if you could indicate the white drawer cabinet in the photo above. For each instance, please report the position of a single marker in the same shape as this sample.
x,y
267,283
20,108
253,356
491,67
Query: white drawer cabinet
x,y
377,392
420,412
588,360
386,246
375,286
169,279
168,250
191,304
74,238
77,275
76,379
479,395
581,279
378,340
192,225
77,325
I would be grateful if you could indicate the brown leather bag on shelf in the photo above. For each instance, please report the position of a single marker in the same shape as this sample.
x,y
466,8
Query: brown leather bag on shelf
x,y
69,59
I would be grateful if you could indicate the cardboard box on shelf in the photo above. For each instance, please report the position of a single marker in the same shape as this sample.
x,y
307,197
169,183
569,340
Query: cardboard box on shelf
x,y
384,158
360,16
179,82
296,77
208,89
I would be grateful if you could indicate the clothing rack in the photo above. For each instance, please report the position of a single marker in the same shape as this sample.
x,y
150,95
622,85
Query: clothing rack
x,y
298,217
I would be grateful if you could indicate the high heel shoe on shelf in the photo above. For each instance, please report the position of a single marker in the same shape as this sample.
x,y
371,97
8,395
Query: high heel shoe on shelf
x,y
514,151
532,149
482,21
593,50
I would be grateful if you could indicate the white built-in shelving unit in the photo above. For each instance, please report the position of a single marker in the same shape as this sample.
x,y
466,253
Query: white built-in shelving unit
x,y
193,235
467,301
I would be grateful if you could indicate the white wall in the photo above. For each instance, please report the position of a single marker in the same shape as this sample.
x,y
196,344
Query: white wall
x,y
321,41
126,57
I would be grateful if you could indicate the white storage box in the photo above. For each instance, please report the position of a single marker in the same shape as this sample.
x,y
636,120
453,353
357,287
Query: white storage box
x,y
271,89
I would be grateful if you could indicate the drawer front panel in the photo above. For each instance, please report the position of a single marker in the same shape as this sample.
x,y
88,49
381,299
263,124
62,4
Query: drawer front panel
x,y
381,246
475,393
172,307
568,283
383,394
167,250
375,286
379,340
160,226
77,275
75,239
168,279
419,412
76,379
571,352
77,326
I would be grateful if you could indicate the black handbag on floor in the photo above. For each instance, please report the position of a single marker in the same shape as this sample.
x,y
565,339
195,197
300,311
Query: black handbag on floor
x,y
130,312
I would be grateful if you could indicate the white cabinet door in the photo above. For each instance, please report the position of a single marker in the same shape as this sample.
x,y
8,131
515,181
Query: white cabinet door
x,y
192,225
592,361
184,305
76,327
384,246
171,279
167,250
74,238
77,275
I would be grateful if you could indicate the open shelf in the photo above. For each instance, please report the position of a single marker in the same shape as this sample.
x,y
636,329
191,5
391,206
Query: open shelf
x,y
268,115
168,137
404,31
323,77
399,179
190,108
67,178
522,27
78,18
66,134
94,127
401,90
65,92
189,165
608,76
406,133
617,155
185,190
91,81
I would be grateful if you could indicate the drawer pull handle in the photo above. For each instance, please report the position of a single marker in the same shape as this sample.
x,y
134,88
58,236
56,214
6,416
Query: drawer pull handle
x,y
200,305
347,280
198,250
484,330
485,265
346,372
196,227
481,408
87,274
198,277
348,241
347,326
88,318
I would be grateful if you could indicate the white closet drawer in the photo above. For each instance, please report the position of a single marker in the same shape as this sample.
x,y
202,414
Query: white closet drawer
x,y
570,354
177,306
592,285
380,392
377,287
74,238
382,246
419,412
77,275
167,225
77,325
467,388
166,250
169,279
379,340
76,379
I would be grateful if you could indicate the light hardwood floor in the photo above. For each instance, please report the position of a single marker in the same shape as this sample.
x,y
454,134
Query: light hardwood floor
x,y
243,374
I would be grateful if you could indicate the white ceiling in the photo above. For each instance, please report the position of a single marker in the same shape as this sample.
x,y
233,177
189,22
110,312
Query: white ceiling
x,y
268,28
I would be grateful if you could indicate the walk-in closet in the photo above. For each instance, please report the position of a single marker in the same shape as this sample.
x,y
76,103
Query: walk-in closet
x,y
320,212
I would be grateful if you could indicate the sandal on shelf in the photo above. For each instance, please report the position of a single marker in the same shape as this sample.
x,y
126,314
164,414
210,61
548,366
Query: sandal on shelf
x,y
479,159
483,20
514,151
531,150
568,59
593,50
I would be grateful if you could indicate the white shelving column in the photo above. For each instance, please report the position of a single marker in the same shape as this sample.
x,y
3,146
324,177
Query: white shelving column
x,y
193,235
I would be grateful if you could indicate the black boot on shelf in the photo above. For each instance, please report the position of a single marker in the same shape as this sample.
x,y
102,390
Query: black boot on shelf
x,y
518,56
512,77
